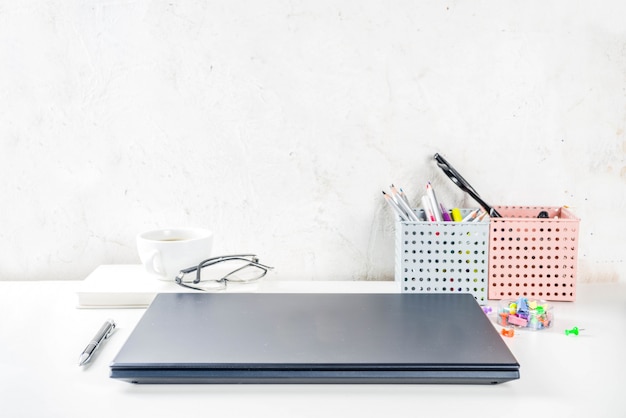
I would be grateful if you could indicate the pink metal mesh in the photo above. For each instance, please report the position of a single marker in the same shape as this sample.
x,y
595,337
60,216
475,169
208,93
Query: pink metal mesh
x,y
533,257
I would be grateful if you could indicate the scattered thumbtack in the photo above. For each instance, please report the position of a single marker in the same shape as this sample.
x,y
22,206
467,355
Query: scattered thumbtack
x,y
508,332
573,331
487,309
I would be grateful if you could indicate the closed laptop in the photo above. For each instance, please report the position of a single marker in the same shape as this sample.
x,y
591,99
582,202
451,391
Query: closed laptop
x,y
314,338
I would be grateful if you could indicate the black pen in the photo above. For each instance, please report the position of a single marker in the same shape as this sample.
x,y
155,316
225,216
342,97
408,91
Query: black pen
x,y
104,333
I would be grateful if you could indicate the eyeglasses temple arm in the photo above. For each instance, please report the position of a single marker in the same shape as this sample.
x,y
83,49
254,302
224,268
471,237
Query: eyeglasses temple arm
x,y
464,185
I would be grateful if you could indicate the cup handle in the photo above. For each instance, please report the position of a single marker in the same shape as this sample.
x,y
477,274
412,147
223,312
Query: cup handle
x,y
154,264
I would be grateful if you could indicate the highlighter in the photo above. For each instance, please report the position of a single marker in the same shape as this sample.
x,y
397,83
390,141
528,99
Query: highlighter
x,y
456,215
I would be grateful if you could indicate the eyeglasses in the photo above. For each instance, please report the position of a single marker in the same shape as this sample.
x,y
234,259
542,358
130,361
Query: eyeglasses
x,y
214,273
464,185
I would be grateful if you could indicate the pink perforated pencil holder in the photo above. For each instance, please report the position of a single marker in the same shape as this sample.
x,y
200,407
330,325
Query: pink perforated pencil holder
x,y
531,256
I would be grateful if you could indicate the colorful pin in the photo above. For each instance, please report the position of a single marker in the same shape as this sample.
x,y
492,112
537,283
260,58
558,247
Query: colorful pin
x,y
508,332
525,313
573,331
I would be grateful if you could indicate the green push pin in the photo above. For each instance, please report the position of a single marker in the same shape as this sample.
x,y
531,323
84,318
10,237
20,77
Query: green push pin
x,y
573,331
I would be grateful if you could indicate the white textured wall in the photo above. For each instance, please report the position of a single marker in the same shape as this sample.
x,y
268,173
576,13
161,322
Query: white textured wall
x,y
278,123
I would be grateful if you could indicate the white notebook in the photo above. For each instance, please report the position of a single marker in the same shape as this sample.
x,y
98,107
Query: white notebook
x,y
122,286
130,286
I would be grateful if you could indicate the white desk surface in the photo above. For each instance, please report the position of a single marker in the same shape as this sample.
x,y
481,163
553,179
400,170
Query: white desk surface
x,y
42,334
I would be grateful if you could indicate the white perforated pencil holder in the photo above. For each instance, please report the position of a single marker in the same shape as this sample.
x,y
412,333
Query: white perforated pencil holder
x,y
442,257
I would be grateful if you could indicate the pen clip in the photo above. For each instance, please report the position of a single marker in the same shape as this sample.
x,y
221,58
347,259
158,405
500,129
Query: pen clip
x,y
110,330
463,184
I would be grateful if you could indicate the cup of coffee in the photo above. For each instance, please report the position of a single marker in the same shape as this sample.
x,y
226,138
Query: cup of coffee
x,y
165,252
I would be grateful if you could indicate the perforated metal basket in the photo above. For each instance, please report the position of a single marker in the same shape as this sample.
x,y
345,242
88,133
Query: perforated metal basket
x,y
531,256
442,257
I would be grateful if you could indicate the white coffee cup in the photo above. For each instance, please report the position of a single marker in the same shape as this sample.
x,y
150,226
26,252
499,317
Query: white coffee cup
x,y
164,252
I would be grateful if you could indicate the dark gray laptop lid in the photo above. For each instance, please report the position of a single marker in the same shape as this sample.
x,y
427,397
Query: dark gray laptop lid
x,y
314,331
